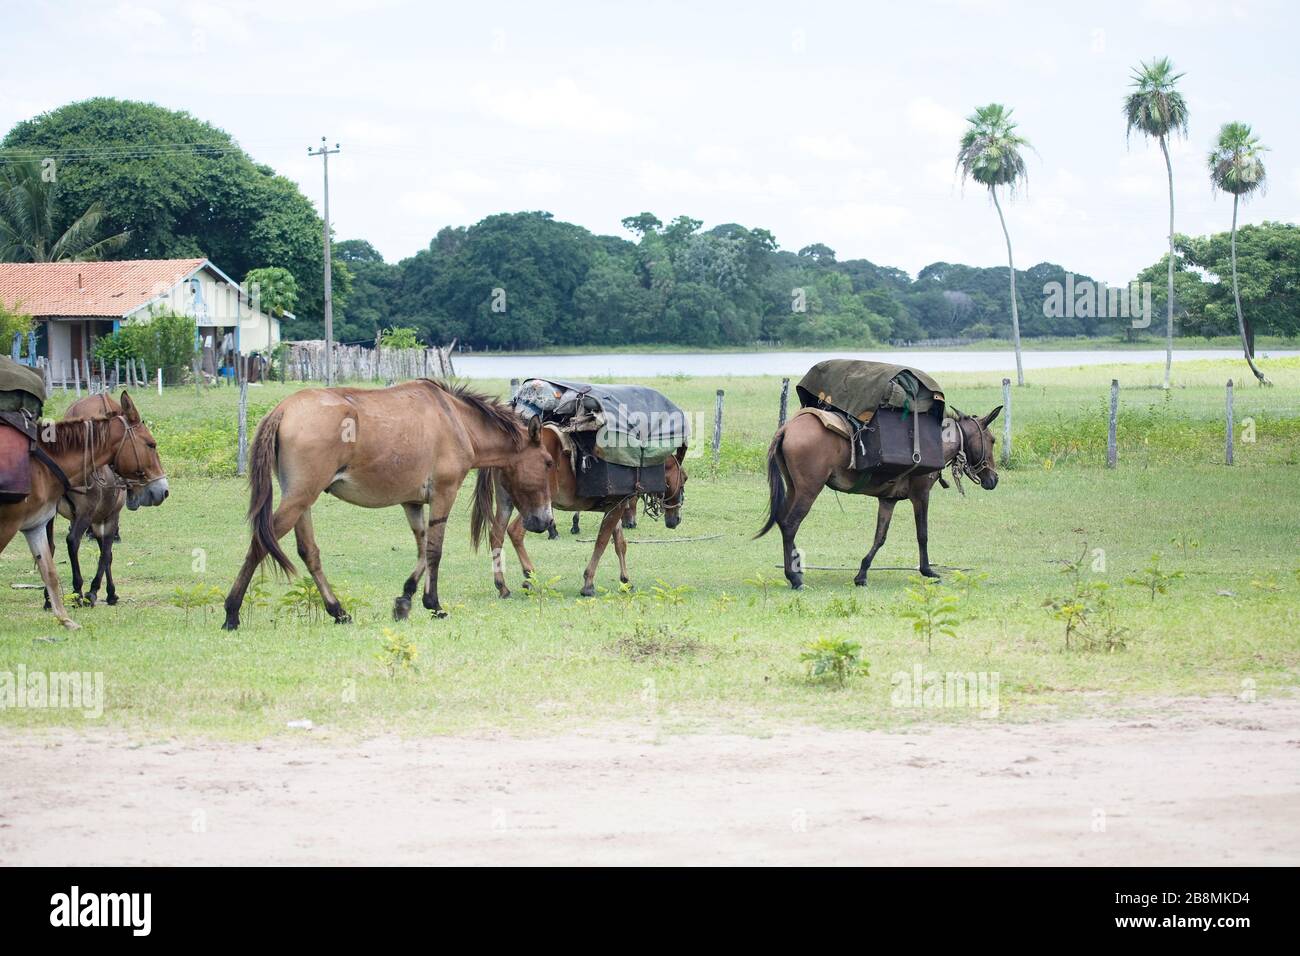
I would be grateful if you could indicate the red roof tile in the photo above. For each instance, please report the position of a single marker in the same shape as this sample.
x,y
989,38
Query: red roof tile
x,y
111,289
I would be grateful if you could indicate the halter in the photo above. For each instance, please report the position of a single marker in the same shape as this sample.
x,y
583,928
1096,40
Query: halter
x,y
960,465
118,480
653,506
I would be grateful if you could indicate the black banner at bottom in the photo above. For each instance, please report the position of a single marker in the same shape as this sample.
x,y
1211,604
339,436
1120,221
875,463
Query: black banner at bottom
x,y
1226,906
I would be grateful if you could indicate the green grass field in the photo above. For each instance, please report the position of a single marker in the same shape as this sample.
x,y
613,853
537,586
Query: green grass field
x,y
712,636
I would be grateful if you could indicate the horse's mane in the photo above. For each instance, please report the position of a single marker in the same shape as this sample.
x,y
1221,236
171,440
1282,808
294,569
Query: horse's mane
x,y
75,434
499,416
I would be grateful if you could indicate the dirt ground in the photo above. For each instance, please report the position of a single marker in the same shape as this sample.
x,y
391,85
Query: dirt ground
x,y
1185,782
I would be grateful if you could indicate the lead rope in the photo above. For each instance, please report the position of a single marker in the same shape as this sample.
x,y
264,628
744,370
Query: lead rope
x,y
959,460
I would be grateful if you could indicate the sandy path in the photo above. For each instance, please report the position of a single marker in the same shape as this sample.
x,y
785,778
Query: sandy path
x,y
1190,782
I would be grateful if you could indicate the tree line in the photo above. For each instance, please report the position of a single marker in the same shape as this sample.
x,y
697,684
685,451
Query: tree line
x,y
119,179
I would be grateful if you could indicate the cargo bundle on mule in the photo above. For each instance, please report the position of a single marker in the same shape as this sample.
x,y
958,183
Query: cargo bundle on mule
x,y
22,396
617,436
891,414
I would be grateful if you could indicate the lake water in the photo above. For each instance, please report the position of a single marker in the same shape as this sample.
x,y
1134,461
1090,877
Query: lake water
x,y
648,365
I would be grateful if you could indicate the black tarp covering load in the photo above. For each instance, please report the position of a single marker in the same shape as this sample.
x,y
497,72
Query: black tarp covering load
x,y
635,425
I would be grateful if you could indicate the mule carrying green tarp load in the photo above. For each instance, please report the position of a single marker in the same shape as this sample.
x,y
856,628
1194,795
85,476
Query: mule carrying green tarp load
x,y
22,396
894,413
900,434
619,436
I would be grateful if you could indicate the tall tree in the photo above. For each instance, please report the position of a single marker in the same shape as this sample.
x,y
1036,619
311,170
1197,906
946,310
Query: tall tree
x,y
180,186
990,155
31,227
1156,109
1237,167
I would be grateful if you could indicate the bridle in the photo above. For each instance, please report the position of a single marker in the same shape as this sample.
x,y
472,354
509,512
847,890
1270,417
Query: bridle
x,y
961,463
132,436
655,505
118,480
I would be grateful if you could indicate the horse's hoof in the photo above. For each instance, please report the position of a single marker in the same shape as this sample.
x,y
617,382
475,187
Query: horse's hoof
x,y
503,592
111,600
860,581
401,609
796,582
343,618
438,612
588,590
929,572
90,600
70,624
229,625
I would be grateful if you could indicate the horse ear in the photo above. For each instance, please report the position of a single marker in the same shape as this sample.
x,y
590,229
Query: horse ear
x,y
129,410
987,420
535,430
680,455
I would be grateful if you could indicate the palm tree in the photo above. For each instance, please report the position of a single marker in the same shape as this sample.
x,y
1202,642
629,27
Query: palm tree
x,y
29,230
1237,167
1157,110
990,155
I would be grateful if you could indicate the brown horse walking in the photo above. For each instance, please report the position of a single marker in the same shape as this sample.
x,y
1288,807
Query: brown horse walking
x,y
806,456
410,445
564,496
97,509
78,450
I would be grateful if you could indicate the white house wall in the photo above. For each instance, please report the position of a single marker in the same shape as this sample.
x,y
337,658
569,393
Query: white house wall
x,y
219,304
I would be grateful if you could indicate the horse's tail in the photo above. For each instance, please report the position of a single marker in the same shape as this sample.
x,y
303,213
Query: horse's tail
x,y
484,505
776,480
265,445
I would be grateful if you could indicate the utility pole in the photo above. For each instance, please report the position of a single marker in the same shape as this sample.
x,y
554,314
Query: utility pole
x,y
325,154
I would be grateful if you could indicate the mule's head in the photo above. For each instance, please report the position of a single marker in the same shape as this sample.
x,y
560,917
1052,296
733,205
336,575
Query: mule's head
x,y
978,442
675,480
527,480
137,462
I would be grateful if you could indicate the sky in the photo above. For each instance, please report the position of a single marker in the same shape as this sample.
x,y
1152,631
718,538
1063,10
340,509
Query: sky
x,y
822,122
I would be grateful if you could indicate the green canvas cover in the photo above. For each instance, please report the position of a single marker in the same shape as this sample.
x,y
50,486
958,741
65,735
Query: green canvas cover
x,y
858,388
21,388
635,425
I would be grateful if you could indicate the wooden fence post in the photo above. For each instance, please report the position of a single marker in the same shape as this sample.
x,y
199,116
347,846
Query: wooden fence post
x,y
717,429
76,377
1228,450
1112,445
514,388
160,381
785,398
241,370
1006,421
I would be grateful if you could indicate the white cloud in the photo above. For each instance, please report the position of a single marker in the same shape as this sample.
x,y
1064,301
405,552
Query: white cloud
x,y
561,105
661,178
928,116
435,204
716,155
837,148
